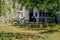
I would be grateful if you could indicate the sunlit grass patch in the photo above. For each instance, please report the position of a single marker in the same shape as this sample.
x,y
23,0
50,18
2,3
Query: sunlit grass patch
x,y
10,32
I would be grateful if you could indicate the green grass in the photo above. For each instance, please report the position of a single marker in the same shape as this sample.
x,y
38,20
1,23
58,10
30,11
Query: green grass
x,y
9,32
28,36
20,36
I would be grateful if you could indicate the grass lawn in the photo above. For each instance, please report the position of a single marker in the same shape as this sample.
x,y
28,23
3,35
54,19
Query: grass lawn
x,y
9,32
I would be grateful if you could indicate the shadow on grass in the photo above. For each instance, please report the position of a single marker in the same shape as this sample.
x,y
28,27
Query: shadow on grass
x,y
49,31
38,27
22,36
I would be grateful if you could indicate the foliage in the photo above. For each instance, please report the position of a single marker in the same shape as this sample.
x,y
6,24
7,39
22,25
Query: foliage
x,y
14,1
44,5
2,7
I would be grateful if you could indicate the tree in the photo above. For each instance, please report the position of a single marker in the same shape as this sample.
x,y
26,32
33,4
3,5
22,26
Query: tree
x,y
44,5
2,8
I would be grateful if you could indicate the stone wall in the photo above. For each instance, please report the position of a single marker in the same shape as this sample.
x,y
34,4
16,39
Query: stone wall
x,y
13,12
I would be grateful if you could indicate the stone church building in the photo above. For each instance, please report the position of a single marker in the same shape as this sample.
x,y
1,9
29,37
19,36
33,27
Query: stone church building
x,y
39,16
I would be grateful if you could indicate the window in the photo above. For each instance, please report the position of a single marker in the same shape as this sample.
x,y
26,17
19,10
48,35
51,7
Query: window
x,y
36,14
46,14
40,14
43,14
21,15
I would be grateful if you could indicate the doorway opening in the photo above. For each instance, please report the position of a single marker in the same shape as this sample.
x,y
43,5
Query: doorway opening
x,y
31,19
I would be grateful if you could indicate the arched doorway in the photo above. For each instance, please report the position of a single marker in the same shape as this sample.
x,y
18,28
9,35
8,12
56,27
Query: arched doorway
x,y
31,19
